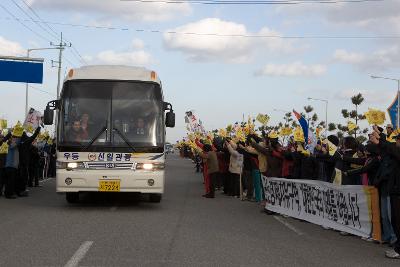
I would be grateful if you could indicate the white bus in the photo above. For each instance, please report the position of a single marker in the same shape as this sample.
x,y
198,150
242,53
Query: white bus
x,y
110,131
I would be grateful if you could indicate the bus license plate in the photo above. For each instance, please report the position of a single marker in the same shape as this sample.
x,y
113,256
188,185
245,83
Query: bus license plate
x,y
109,186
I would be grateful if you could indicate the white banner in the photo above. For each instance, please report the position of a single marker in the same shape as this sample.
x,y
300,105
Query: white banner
x,y
346,208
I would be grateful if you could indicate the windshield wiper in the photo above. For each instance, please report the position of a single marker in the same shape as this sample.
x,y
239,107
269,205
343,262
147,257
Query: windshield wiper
x,y
124,138
95,138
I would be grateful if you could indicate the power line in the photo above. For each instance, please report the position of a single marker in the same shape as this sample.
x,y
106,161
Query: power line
x,y
12,15
73,25
43,91
228,35
53,33
38,24
233,2
36,15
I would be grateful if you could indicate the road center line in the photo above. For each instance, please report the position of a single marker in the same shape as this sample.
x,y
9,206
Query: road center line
x,y
79,254
288,225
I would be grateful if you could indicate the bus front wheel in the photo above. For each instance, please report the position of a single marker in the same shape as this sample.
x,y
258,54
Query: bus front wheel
x,y
155,198
72,197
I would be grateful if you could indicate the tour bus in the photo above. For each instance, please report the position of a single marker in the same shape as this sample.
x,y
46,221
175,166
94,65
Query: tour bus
x,y
110,131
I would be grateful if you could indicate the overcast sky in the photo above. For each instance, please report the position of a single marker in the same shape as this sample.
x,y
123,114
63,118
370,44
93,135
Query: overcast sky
x,y
220,77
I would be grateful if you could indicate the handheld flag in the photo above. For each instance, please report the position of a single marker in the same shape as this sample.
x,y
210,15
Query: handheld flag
x,y
375,117
304,125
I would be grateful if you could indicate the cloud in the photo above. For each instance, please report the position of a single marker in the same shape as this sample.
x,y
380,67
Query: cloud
x,y
380,60
231,47
107,9
136,58
10,48
292,69
371,16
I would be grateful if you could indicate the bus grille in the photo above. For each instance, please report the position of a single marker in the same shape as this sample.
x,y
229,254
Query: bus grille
x,y
110,165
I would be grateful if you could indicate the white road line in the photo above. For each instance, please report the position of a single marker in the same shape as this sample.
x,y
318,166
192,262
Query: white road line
x,y
79,254
288,225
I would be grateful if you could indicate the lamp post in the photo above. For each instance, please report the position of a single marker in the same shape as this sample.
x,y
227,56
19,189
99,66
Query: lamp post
x,y
326,111
27,85
398,95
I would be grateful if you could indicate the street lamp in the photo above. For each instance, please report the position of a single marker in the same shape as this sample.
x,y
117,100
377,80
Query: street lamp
x,y
398,95
26,86
326,111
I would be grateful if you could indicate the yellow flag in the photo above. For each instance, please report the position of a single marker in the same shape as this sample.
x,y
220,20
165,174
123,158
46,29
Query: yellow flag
x,y
351,125
29,128
375,117
263,119
298,135
4,148
286,131
331,147
3,124
222,132
240,135
391,138
273,135
18,130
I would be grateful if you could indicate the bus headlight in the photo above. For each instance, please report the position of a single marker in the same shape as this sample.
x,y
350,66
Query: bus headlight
x,y
75,165
147,166
72,165
150,166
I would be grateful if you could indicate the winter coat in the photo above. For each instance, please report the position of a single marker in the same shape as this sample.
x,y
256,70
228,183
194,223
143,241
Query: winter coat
x,y
235,161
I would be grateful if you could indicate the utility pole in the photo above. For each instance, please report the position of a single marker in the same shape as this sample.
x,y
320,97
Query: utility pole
x,y
61,46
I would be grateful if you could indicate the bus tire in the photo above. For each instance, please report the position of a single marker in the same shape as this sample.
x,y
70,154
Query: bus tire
x,y
155,198
72,197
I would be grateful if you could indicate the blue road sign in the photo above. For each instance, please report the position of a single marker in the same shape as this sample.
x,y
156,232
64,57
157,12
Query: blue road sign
x,y
392,110
21,71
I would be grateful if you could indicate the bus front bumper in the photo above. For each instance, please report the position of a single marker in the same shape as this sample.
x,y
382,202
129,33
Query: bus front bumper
x,y
130,181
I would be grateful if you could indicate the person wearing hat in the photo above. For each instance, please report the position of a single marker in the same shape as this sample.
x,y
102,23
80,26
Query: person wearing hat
x,y
12,162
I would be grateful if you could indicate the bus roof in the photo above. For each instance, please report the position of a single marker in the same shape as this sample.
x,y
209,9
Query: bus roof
x,y
111,72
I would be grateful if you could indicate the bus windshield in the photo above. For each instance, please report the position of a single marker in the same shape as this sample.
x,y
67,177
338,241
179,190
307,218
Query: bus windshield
x,y
111,114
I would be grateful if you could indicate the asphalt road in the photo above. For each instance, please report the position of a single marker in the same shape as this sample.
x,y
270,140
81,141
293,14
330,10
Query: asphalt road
x,y
183,230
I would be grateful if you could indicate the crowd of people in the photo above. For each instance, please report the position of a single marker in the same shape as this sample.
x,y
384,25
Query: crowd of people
x,y
235,165
25,159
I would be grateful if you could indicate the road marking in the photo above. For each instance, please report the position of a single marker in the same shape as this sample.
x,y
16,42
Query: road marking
x,y
288,225
79,254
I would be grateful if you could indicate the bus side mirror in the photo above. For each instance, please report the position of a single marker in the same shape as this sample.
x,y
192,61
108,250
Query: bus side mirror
x,y
48,116
170,119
